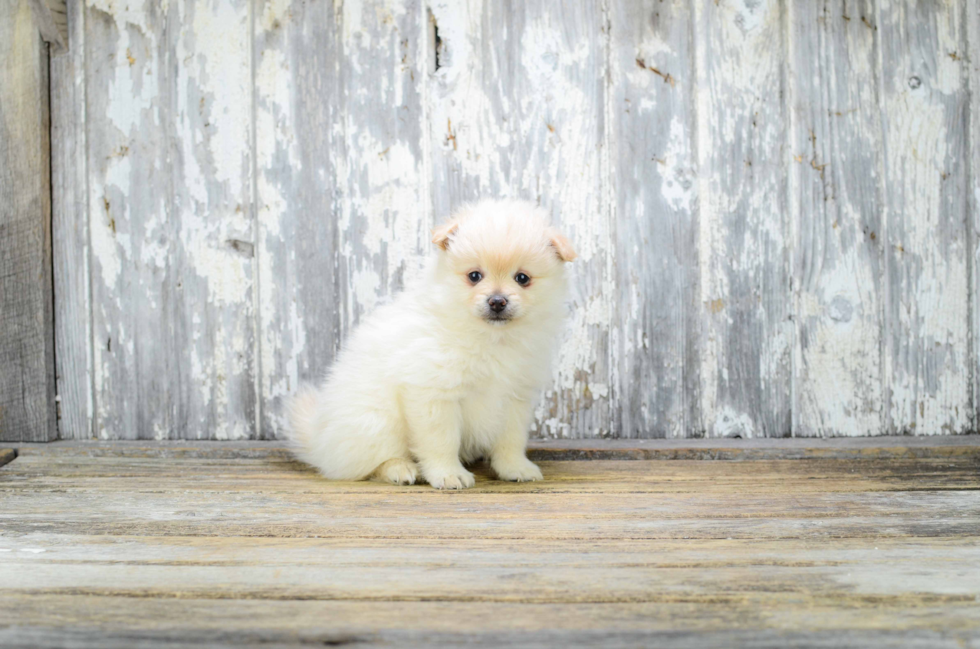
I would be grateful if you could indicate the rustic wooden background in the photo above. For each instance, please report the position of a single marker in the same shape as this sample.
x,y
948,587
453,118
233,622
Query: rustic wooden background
x,y
775,203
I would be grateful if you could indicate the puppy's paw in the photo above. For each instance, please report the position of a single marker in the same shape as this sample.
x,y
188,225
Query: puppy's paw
x,y
397,471
458,478
519,469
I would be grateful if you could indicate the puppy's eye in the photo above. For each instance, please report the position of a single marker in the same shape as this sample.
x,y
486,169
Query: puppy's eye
x,y
522,279
475,276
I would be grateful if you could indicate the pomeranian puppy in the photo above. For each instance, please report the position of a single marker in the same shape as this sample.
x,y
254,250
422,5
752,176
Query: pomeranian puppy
x,y
449,371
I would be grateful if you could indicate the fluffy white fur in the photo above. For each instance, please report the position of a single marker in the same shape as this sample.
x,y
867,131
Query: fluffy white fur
x,y
438,378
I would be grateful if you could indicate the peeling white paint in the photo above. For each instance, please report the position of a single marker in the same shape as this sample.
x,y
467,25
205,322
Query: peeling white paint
x,y
926,355
191,230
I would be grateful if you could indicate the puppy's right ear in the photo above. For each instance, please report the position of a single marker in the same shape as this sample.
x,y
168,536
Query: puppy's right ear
x,y
442,234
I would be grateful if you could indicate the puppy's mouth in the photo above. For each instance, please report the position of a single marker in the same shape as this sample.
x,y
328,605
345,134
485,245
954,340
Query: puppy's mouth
x,y
498,318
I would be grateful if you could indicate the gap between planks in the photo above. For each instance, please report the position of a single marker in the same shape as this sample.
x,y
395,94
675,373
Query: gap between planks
x,y
857,448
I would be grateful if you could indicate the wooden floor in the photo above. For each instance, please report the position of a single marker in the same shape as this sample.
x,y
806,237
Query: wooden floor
x,y
871,544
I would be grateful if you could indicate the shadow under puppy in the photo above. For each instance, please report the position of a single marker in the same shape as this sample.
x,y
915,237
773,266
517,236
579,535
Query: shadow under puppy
x,y
449,371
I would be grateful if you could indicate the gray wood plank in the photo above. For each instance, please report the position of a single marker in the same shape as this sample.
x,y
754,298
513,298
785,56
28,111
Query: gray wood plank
x,y
744,241
49,19
259,552
835,143
925,123
366,634
27,385
59,15
973,225
299,156
516,108
170,219
385,222
213,373
243,204
73,315
131,229
728,449
653,178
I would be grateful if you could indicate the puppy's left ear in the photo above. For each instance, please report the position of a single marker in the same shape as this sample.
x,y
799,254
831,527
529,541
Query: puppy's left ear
x,y
442,233
562,246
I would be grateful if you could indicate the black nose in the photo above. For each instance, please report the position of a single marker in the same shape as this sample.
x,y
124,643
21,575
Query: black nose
x,y
497,302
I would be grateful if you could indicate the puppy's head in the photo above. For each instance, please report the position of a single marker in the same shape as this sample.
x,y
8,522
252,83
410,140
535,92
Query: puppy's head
x,y
502,261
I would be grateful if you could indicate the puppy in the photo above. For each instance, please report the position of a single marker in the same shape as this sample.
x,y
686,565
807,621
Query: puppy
x,y
448,372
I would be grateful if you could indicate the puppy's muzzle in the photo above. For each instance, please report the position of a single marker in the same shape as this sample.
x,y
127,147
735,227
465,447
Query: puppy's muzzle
x,y
497,303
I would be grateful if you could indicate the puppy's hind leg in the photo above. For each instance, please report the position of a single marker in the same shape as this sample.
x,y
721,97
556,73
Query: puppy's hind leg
x,y
397,470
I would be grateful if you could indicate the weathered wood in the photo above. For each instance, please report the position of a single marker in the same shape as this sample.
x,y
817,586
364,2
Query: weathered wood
x,y
102,622
27,385
70,230
51,19
221,552
128,85
385,222
111,474
517,104
7,455
835,202
299,157
342,214
170,219
924,113
764,207
744,241
656,361
58,9
212,220
973,191
854,448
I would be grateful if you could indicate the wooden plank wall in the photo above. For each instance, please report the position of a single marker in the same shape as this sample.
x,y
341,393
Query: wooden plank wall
x,y
27,395
775,203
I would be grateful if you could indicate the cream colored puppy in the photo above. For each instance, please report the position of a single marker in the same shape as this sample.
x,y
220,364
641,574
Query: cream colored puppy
x,y
448,372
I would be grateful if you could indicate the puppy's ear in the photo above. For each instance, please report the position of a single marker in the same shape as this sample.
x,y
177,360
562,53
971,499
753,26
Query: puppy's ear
x,y
442,233
562,245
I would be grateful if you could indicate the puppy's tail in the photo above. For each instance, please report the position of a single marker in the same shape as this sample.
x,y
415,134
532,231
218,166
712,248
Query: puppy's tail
x,y
304,421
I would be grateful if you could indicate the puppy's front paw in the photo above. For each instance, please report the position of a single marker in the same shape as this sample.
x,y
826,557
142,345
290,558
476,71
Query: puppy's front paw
x,y
453,479
519,469
397,471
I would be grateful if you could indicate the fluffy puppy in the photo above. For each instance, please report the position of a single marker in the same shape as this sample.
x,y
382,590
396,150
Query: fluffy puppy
x,y
448,372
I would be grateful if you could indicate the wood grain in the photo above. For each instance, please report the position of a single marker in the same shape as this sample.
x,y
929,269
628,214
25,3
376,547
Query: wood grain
x,y
27,392
777,231
130,210
206,549
186,623
170,220
656,359
212,220
840,448
384,219
517,106
836,205
744,242
299,156
973,226
70,227
924,108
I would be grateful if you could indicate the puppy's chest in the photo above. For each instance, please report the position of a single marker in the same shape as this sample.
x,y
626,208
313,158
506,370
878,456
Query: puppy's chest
x,y
495,368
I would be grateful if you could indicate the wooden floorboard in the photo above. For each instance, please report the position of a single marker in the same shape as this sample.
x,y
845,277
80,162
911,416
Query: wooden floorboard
x,y
145,545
